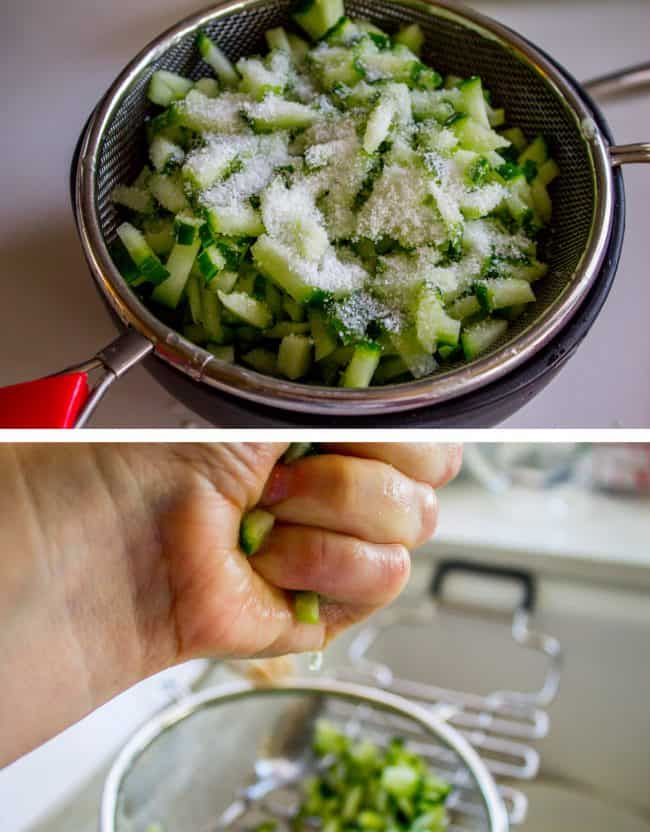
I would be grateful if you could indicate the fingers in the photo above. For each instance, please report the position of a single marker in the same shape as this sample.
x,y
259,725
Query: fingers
x,y
430,463
340,567
368,500
237,470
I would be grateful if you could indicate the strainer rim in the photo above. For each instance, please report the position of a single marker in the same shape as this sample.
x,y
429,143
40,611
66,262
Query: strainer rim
x,y
228,692
237,380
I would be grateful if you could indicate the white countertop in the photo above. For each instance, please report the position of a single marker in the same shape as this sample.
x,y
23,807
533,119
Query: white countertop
x,y
56,66
567,531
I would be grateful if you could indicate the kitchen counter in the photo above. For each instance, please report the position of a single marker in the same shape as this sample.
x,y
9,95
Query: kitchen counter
x,y
51,315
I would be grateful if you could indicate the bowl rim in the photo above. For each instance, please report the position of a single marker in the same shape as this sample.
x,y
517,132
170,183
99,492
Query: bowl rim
x,y
202,366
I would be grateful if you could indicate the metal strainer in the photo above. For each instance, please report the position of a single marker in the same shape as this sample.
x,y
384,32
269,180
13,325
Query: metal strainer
x,y
536,94
234,757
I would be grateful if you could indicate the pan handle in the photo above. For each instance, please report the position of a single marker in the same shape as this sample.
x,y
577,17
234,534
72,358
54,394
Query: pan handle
x,y
66,400
614,85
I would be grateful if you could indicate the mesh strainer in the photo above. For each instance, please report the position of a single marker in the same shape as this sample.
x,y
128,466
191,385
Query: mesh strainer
x,y
537,95
233,757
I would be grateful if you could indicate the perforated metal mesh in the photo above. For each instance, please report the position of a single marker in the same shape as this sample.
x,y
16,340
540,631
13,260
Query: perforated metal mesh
x,y
450,47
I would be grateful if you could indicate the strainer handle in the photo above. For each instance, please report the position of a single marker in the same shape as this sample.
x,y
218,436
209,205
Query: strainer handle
x,y
67,400
614,85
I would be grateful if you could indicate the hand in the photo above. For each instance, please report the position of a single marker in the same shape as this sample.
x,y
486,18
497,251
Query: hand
x,y
124,559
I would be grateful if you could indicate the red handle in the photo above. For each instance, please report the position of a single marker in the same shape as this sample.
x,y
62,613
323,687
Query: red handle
x,y
52,402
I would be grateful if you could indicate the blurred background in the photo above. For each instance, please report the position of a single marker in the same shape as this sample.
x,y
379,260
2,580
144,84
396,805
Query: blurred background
x,y
52,316
566,527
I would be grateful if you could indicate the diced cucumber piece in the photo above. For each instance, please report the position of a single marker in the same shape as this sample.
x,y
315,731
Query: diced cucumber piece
x,y
211,261
208,87
206,166
548,171
317,17
295,310
276,262
361,369
193,292
473,101
335,66
187,228
165,87
343,33
264,361
537,151
379,125
222,353
515,135
259,81
294,356
217,59
412,37
495,117
501,292
299,47
474,136
196,334
141,253
159,233
465,307
135,199
254,530
478,338
276,113
178,265
324,341
307,607
223,282
212,115
235,220
390,368
434,326
419,360
541,200
168,191
124,263
277,39
211,314
284,328
254,312
164,154
530,273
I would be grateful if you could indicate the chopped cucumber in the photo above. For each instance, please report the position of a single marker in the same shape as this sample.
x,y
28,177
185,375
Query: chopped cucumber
x,y
165,87
178,265
478,338
275,260
254,312
412,37
307,607
338,200
294,356
141,253
361,369
217,59
317,17
502,292
254,530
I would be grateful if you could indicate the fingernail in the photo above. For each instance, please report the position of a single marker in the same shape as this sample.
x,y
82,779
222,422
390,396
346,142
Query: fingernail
x,y
277,486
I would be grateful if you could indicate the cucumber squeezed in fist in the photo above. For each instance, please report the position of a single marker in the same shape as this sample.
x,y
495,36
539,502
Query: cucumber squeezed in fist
x,y
335,212
258,524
